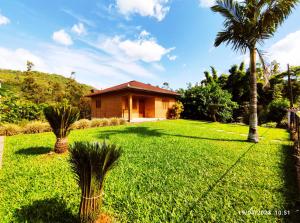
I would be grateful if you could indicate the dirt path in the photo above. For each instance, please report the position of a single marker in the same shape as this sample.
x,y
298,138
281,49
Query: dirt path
x,y
1,149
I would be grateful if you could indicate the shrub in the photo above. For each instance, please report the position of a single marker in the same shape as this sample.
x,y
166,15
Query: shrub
x,y
283,124
197,100
122,121
175,111
36,127
277,109
270,125
96,122
105,122
114,121
90,162
10,129
83,124
60,118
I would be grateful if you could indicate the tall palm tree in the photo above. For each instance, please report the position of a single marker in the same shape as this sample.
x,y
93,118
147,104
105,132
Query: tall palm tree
x,y
60,118
247,24
90,162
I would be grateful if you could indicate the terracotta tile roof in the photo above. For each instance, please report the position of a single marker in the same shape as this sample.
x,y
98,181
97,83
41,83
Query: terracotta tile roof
x,y
135,85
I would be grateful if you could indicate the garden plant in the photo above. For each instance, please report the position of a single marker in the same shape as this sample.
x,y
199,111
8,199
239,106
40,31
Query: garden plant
x,y
90,162
60,118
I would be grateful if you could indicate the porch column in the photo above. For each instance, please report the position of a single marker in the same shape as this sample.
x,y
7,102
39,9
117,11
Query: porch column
x,y
129,107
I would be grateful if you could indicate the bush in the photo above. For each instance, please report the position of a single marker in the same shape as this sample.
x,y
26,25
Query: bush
x,y
36,127
96,122
114,121
198,99
283,124
122,121
270,125
82,124
175,111
10,129
105,122
277,110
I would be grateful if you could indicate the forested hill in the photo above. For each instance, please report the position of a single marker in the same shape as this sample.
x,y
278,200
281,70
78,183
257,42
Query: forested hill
x,y
44,83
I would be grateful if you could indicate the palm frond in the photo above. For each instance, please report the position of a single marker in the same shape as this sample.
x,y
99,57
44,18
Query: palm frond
x,y
60,118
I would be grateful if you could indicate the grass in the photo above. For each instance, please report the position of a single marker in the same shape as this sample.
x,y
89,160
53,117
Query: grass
x,y
170,171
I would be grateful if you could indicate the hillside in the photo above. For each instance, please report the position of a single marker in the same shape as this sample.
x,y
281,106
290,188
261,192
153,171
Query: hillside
x,y
12,80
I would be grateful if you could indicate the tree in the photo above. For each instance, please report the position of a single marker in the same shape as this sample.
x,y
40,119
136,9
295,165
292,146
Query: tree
x,y
247,24
60,118
166,85
90,163
207,102
29,66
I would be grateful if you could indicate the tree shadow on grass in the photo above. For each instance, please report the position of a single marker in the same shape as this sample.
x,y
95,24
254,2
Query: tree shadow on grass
x,y
292,199
52,210
39,150
142,131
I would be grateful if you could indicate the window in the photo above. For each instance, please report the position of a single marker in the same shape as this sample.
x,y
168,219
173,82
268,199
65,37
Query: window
x,y
165,103
98,102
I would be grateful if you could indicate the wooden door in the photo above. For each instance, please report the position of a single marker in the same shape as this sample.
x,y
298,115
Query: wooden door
x,y
141,108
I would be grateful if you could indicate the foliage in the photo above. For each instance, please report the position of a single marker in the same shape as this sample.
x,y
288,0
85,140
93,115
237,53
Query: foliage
x,y
9,129
36,127
61,117
82,124
114,121
90,162
175,111
199,183
13,110
43,88
197,99
269,125
277,110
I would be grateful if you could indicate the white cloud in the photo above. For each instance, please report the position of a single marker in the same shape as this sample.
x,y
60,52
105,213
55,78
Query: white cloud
x,y
62,37
286,50
91,67
146,50
79,29
210,3
4,20
206,3
172,57
153,8
16,59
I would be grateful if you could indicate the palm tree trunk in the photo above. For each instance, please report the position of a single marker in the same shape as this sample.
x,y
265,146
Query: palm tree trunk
x,y
253,135
61,145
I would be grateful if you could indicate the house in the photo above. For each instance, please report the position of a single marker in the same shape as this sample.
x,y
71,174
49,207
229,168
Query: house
x,y
132,100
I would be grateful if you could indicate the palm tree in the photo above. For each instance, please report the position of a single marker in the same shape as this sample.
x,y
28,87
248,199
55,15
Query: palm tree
x,y
247,24
60,118
90,163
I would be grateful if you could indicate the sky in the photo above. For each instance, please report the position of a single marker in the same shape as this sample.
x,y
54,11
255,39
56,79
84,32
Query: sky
x,y
109,42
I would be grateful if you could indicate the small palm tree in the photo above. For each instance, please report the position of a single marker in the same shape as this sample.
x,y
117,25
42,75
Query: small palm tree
x,y
60,118
246,25
90,162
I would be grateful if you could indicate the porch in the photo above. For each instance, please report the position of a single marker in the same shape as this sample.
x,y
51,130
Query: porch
x,y
138,107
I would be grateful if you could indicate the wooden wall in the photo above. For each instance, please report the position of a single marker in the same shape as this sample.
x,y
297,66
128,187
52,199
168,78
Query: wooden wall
x,y
111,106
160,110
116,105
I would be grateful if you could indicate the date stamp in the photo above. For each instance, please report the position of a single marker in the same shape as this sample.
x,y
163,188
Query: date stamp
x,y
265,212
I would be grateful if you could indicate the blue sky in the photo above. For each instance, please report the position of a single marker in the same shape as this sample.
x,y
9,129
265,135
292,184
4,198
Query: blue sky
x,y
108,42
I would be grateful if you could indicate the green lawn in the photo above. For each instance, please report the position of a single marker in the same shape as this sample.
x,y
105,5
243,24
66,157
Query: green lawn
x,y
170,171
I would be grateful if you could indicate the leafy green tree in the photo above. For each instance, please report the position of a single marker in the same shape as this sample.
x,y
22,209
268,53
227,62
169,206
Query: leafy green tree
x,y
247,24
198,100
